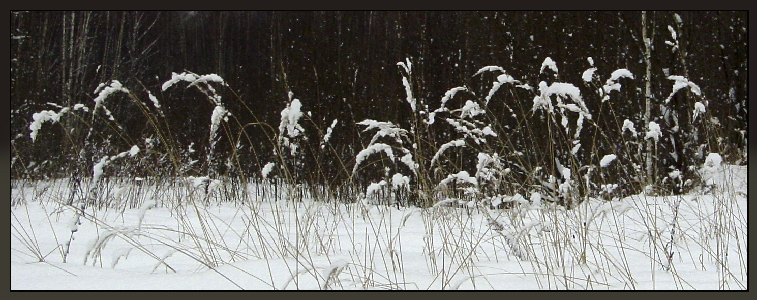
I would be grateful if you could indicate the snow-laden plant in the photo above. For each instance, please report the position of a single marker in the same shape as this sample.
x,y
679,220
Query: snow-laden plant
x,y
329,131
49,116
395,140
400,146
267,169
289,140
561,125
473,135
219,115
201,82
290,130
556,99
95,146
690,132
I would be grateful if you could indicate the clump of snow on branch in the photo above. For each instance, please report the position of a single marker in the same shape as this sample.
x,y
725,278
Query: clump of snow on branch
x,y
155,102
672,32
50,116
653,132
606,160
447,96
80,106
698,110
134,150
470,109
588,75
175,77
620,73
267,170
445,146
327,136
374,188
208,78
461,177
612,83
628,125
97,169
290,128
105,91
195,80
548,63
464,123
471,130
562,91
384,129
451,93
712,165
41,117
566,90
372,149
674,35
407,159
567,185
680,83
219,114
408,67
542,100
488,166
501,80
505,78
489,69
400,182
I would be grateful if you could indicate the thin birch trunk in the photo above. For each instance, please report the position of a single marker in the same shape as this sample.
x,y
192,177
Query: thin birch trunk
x,y
650,176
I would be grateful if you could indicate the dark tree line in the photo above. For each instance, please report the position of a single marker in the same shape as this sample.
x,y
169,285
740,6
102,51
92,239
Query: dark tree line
x,y
343,65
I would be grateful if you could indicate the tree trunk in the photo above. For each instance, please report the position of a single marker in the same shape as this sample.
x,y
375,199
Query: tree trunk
x,y
650,176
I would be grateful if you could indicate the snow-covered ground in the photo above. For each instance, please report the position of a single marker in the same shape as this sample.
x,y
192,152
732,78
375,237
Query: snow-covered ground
x,y
173,240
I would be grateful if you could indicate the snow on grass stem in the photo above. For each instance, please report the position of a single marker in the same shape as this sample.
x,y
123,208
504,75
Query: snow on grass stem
x,y
408,67
266,171
445,146
654,132
548,64
106,91
40,118
370,150
219,114
681,82
606,160
327,136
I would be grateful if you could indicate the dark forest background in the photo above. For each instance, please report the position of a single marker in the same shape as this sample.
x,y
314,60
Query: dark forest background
x,y
343,65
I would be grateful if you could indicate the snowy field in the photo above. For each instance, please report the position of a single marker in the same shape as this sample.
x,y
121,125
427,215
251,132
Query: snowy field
x,y
173,239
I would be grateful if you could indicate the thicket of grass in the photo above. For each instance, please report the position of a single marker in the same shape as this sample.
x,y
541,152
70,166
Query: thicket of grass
x,y
523,154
